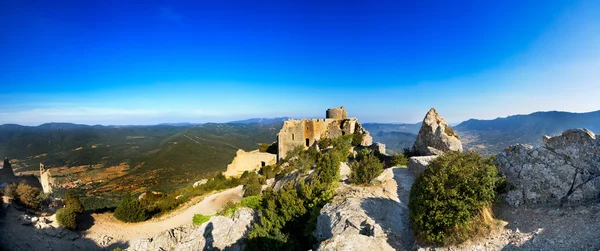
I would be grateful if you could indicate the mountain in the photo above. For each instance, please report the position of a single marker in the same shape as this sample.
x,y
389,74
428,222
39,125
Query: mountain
x,y
395,136
263,121
492,136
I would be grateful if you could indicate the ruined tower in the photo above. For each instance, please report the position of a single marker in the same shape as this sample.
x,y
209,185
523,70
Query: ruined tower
x,y
45,179
6,173
336,113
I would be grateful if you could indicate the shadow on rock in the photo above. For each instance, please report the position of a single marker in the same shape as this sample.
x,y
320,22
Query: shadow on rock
x,y
85,221
393,219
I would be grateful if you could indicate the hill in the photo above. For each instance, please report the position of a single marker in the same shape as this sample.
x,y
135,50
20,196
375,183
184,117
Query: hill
x,y
492,136
395,136
263,121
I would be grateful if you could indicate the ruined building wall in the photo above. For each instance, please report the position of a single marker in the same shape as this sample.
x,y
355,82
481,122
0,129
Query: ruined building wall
x,y
46,179
307,132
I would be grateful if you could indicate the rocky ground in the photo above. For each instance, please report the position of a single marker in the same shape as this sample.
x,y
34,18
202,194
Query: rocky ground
x,y
103,231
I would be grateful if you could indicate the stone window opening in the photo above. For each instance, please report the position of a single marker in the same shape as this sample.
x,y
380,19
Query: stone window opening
x,y
307,142
263,164
292,136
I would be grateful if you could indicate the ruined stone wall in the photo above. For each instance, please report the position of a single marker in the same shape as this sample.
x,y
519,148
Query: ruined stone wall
x,y
307,132
248,161
46,179
6,172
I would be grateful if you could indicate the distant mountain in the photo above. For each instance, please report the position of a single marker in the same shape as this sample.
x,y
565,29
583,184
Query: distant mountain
x,y
395,136
263,121
492,136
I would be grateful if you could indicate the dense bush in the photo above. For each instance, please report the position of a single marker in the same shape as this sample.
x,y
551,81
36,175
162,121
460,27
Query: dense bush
x,y
72,202
252,188
366,168
11,191
67,218
130,210
28,195
199,219
449,202
398,159
357,137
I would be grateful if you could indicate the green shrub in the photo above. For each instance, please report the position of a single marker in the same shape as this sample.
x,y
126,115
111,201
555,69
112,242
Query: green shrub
x,y
253,202
263,147
366,168
357,137
324,143
67,218
228,209
199,219
72,202
130,210
28,195
268,172
449,202
252,188
398,159
11,191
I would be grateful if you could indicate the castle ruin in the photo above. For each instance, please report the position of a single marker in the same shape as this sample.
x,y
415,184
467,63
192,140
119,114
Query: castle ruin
x,y
46,179
306,132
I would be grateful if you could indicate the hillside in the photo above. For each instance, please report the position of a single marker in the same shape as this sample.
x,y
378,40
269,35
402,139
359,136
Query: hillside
x,y
492,136
395,136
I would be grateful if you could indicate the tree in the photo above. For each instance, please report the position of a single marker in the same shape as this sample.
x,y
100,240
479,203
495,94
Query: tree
x,y
72,202
130,210
252,188
399,160
67,218
450,201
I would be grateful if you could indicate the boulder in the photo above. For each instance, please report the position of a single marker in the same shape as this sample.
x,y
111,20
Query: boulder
x,y
436,136
565,169
344,171
219,233
418,164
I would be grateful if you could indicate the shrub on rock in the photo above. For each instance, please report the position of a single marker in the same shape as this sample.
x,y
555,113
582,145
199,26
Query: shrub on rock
x,y
449,202
72,202
366,168
67,218
28,195
131,210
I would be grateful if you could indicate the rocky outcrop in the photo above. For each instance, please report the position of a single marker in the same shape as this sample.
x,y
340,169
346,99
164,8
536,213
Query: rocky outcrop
x,y
435,136
565,169
366,218
219,233
418,164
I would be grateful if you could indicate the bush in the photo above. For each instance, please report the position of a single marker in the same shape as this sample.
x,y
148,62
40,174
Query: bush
x,y
28,196
253,202
199,219
252,188
399,160
72,202
11,191
130,210
263,147
449,202
366,168
67,218
357,137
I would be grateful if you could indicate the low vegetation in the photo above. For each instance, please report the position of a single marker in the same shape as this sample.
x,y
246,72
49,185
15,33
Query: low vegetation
x,y
199,219
131,210
288,216
398,159
366,167
24,194
450,201
67,218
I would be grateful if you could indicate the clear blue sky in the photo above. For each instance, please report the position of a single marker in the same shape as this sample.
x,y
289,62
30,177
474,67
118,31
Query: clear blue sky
x,y
147,62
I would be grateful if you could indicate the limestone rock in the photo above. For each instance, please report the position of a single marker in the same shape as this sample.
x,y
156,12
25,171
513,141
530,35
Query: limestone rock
x,y
436,136
344,171
200,183
219,233
362,218
418,164
565,169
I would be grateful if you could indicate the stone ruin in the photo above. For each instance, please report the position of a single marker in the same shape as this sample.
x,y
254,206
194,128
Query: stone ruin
x,y
46,179
307,132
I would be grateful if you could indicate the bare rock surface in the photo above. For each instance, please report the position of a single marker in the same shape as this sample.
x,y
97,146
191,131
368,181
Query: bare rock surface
x,y
219,233
565,169
418,164
436,136
368,218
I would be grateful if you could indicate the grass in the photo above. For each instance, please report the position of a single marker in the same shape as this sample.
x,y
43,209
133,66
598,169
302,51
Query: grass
x,y
199,219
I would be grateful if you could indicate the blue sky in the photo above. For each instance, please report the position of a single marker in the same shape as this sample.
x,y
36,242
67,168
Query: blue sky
x,y
148,62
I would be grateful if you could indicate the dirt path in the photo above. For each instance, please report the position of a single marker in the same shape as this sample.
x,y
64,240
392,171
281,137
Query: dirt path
x,y
106,225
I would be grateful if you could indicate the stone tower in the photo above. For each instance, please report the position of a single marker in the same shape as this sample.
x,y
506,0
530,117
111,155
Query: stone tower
x,y
45,179
336,113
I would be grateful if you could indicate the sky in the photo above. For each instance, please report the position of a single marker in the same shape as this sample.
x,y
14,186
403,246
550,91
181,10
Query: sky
x,y
148,62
